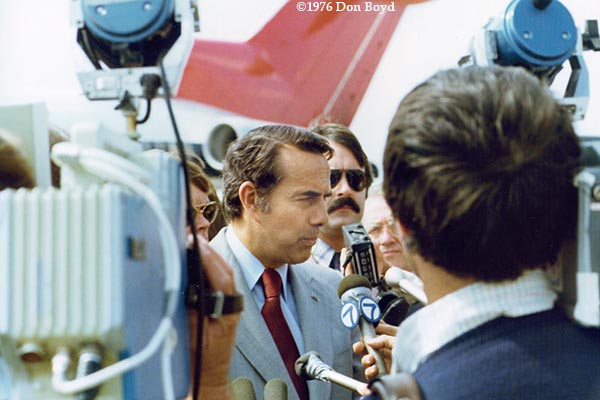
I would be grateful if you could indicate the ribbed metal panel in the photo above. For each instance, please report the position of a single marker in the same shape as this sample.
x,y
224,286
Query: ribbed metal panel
x,y
60,263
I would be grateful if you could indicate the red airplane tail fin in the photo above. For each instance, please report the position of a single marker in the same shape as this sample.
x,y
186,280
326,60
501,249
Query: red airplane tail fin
x,y
303,63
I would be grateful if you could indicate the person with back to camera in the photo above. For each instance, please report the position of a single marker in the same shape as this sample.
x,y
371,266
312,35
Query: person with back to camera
x,y
478,168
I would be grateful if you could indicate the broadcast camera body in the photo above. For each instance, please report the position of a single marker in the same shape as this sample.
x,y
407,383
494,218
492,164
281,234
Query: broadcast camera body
x,y
540,36
85,279
361,251
92,275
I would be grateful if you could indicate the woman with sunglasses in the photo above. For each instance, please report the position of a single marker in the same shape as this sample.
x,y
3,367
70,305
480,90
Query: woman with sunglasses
x,y
218,333
206,206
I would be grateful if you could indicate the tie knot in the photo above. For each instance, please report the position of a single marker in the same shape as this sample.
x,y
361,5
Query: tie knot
x,y
271,283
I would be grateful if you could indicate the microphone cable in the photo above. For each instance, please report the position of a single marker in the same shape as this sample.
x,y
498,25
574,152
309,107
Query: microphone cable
x,y
195,273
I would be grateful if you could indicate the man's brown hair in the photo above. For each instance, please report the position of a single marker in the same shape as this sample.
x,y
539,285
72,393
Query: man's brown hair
x,y
254,158
343,136
479,166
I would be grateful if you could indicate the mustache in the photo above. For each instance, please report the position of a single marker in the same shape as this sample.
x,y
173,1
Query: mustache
x,y
343,202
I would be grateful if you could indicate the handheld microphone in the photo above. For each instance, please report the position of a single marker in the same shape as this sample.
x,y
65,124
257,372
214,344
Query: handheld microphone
x,y
398,386
243,389
394,306
310,366
398,278
276,389
358,308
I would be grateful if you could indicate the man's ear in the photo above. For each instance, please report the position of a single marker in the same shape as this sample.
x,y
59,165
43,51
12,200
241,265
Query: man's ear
x,y
248,196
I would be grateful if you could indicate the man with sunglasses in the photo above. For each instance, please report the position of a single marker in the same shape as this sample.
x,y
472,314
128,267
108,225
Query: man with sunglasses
x,y
350,179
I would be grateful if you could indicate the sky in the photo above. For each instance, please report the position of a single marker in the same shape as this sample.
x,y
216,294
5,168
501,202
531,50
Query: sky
x,y
40,57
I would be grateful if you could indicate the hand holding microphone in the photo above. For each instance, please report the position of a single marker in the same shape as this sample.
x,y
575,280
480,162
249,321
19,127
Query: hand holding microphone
x,y
384,344
358,308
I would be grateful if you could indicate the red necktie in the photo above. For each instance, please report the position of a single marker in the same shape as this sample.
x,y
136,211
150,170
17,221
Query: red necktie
x,y
279,329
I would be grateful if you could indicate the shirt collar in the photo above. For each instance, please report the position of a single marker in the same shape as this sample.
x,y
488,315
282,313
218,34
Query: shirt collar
x,y
465,309
322,253
251,267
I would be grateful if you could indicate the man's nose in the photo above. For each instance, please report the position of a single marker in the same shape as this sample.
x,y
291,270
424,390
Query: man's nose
x,y
386,236
321,217
343,188
201,222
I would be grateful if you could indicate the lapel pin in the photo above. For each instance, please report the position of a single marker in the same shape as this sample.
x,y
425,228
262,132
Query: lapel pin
x,y
315,298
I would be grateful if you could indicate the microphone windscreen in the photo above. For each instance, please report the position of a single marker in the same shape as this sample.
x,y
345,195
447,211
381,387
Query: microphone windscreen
x,y
276,389
393,276
395,312
243,389
352,281
407,282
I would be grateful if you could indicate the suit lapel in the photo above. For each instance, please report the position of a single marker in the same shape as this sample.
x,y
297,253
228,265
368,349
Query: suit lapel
x,y
253,338
314,320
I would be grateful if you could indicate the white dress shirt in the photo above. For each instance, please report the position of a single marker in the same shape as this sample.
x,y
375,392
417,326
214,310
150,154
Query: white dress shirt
x,y
465,309
252,270
322,253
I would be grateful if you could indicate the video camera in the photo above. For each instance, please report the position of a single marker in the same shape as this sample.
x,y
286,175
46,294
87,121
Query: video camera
x,y
92,275
360,251
540,36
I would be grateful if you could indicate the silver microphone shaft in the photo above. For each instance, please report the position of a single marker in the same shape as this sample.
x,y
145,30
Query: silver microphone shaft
x,y
317,369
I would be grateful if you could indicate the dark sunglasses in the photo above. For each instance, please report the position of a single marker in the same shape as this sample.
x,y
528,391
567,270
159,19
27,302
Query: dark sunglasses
x,y
208,210
356,178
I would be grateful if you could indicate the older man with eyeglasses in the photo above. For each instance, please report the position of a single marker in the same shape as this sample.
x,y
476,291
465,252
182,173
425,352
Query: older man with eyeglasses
x,y
350,179
384,231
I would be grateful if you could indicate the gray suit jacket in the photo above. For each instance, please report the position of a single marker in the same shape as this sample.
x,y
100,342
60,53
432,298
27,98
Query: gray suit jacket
x,y
255,355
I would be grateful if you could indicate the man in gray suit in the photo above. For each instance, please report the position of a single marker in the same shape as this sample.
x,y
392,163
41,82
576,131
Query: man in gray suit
x,y
276,179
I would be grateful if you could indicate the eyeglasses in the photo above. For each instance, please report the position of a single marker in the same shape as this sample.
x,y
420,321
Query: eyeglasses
x,y
376,230
356,178
208,210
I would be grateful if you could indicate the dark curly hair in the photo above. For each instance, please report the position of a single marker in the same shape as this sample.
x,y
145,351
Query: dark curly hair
x,y
479,167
